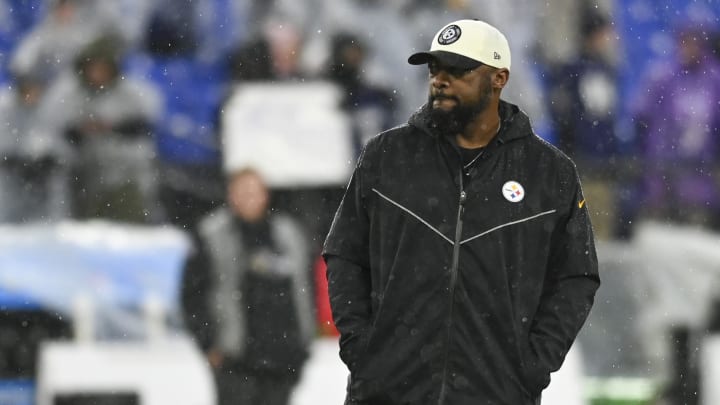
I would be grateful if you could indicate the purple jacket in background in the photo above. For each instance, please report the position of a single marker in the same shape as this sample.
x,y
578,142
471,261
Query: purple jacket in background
x,y
678,112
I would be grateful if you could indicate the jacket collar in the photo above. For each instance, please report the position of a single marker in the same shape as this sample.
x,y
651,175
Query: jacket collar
x,y
515,123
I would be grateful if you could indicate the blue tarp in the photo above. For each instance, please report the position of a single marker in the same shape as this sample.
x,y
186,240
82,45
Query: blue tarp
x,y
116,268
17,392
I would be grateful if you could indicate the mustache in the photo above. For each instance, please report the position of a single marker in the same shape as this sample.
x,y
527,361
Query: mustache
x,y
441,96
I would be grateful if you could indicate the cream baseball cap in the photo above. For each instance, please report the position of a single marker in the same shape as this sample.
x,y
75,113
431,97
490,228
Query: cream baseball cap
x,y
467,44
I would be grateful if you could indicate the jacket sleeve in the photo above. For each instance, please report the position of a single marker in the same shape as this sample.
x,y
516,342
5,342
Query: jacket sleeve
x,y
347,258
292,241
194,298
568,292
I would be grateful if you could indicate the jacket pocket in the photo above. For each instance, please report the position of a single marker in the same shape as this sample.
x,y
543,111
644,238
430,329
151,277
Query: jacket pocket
x,y
353,349
535,376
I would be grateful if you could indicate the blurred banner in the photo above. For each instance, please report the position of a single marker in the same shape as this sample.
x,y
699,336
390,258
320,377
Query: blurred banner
x,y
116,274
295,134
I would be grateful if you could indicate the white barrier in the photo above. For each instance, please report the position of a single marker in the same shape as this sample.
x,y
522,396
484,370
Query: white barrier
x,y
171,371
710,371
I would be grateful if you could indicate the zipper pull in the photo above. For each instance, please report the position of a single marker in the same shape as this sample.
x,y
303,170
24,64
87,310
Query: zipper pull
x,y
463,197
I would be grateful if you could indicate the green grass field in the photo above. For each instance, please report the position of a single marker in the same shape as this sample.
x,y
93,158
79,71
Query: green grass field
x,y
621,391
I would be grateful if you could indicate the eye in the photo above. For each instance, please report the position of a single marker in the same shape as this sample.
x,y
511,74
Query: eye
x,y
454,72
457,72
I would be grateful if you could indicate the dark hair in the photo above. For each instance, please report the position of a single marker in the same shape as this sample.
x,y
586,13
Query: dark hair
x,y
339,69
343,40
592,21
107,48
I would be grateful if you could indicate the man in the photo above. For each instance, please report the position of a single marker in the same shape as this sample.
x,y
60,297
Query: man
x,y
461,261
584,109
32,182
246,296
107,120
675,109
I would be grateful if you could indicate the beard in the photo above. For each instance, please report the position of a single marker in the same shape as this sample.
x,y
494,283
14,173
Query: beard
x,y
454,121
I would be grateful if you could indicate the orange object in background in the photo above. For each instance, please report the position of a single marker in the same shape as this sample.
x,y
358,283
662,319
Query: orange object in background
x,y
326,325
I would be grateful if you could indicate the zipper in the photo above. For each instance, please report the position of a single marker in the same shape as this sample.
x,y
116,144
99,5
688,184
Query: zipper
x,y
453,281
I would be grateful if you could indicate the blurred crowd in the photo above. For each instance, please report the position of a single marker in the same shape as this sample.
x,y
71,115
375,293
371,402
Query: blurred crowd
x,y
112,109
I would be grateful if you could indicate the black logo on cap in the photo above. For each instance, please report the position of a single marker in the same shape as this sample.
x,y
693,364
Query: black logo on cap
x,y
496,56
450,34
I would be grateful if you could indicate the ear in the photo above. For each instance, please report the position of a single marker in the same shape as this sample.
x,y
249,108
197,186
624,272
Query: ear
x,y
500,78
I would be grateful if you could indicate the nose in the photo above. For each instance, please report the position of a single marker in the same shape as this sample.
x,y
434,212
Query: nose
x,y
440,80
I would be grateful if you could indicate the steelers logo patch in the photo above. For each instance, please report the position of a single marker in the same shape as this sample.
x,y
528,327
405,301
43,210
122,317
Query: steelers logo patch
x,y
513,191
450,34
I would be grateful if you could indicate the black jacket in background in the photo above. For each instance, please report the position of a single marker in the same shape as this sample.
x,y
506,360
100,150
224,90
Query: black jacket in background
x,y
444,290
246,292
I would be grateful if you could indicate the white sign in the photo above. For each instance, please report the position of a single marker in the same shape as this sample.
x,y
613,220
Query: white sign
x,y
294,134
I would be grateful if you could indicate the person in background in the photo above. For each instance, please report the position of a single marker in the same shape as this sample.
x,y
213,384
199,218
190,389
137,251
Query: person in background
x,y
584,108
33,181
370,107
678,128
270,61
51,46
247,295
367,20
461,262
108,121
584,92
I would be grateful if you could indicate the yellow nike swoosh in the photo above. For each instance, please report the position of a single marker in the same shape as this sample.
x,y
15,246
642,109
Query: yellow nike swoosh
x,y
581,203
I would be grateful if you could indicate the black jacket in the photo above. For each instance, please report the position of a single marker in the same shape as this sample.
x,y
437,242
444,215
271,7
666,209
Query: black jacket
x,y
245,292
448,289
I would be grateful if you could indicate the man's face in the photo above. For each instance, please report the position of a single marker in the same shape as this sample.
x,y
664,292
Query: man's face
x,y
30,93
457,96
248,196
98,74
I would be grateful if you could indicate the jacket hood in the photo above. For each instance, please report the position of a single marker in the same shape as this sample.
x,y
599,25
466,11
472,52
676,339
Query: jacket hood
x,y
515,123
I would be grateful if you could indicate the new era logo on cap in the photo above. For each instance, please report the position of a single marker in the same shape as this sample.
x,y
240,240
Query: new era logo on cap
x,y
466,44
